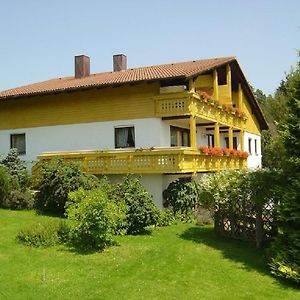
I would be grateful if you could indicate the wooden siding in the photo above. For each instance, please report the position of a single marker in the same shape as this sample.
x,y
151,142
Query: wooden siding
x,y
121,103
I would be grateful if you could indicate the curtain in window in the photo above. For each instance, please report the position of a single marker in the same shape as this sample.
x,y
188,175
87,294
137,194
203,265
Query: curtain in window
x,y
121,137
125,137
18,142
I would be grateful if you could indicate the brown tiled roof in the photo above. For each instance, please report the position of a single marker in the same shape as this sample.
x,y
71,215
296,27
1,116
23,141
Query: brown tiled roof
x,y
176,70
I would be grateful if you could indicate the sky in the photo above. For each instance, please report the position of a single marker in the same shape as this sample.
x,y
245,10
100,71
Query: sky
x,y
39,39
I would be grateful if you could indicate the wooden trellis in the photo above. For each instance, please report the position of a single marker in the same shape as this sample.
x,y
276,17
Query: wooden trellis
x,y
246,221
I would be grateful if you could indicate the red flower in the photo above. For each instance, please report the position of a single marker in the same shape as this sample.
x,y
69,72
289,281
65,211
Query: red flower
x,y
204,150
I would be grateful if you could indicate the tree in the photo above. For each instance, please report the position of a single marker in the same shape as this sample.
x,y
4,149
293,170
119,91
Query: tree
x,y
285,261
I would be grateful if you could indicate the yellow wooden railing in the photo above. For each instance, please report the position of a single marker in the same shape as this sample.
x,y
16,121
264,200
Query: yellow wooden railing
x,y
187,103
143,161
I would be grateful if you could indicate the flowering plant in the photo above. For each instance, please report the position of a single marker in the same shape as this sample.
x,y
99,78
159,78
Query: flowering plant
x,y
204,150
217,151
227,151
207,98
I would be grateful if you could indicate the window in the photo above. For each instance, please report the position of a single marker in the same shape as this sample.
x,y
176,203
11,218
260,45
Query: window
x,y
255,147
234,142
179,136
249,145
18,142
124,137
210,140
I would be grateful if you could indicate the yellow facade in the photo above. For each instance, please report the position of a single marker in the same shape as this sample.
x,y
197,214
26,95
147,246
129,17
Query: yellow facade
x,y
138,101
120,103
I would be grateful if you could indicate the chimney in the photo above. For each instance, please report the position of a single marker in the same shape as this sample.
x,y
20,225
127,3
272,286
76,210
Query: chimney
x,y
82,66
120,62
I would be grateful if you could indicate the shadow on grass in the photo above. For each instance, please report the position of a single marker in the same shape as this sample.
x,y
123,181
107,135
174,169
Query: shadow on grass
x,y
235,250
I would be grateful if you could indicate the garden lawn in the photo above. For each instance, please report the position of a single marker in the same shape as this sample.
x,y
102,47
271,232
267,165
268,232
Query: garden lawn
x,y
176,262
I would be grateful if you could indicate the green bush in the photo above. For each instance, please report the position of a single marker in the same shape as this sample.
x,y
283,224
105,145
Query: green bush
x,y
142,211
46,233
16,168
284,257
18,200
182,195
95,219
5,186
166,217
56,180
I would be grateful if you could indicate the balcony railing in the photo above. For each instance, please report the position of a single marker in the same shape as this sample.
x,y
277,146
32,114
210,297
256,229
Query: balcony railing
x,y
183,104
143,161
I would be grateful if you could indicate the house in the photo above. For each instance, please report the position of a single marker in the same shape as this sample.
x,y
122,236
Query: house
x,y
149,120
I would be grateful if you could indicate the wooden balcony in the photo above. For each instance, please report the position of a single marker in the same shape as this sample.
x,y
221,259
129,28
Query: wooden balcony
x,y
190,103
145,161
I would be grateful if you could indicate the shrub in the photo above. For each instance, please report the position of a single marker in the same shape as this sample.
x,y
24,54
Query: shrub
x,y
94,219
18,200
56,179
166,217
182,196
142,211
46,233
5,186
16,168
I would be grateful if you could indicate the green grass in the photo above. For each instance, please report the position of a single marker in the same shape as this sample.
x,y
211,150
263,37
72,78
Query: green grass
x,y
177,262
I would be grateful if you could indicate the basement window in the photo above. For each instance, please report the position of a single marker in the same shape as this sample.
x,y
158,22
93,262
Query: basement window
x,y
124,137
17,141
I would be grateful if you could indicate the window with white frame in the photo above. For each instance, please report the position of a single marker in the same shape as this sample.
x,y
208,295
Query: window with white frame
x,y
124,137
18,142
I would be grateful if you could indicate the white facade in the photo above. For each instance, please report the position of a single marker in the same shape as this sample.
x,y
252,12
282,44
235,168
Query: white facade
x,y
150,132
252,144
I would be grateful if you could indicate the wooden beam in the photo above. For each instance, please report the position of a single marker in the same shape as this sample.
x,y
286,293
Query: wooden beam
x,y
221,128
216,85
205,124
176,117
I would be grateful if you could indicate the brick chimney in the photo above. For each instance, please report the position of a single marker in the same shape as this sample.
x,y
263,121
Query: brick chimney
x,y
119,62
82,66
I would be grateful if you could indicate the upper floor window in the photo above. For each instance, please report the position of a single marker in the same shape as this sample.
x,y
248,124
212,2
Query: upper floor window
x,y
249,145
179,136
18,142
210,140
124,137
234,142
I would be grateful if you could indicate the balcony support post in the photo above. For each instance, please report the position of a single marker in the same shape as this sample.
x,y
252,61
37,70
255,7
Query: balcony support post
x,y
228,78
217,135
216,85
240,97
230,137
193,134
192,85
242,140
